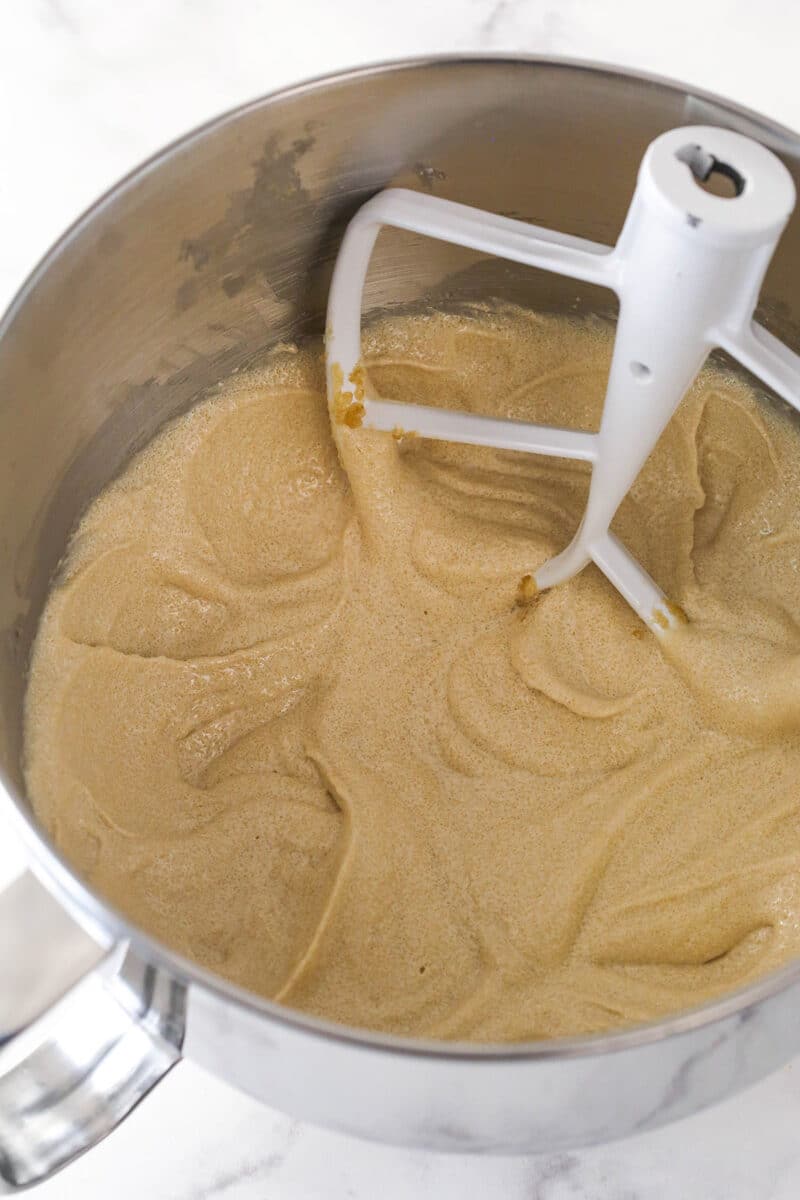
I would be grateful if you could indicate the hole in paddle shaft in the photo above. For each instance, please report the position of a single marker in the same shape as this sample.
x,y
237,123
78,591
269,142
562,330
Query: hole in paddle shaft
x,y
640,371
711,174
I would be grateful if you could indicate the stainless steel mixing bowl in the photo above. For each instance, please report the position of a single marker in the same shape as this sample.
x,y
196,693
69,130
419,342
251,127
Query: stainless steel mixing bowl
x,y
186,271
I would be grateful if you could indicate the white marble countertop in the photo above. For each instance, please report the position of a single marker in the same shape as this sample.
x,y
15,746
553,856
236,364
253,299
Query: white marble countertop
x,y
87,89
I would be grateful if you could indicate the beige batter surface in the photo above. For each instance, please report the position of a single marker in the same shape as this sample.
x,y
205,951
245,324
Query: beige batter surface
x,y
292,720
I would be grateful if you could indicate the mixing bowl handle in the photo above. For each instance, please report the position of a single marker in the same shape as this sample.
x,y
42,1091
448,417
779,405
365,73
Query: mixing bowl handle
x,y
85,1033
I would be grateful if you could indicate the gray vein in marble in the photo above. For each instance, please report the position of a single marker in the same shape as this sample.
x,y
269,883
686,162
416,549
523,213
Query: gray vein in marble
x,y
260,1167
552,1172
498,12
533,26
60,17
